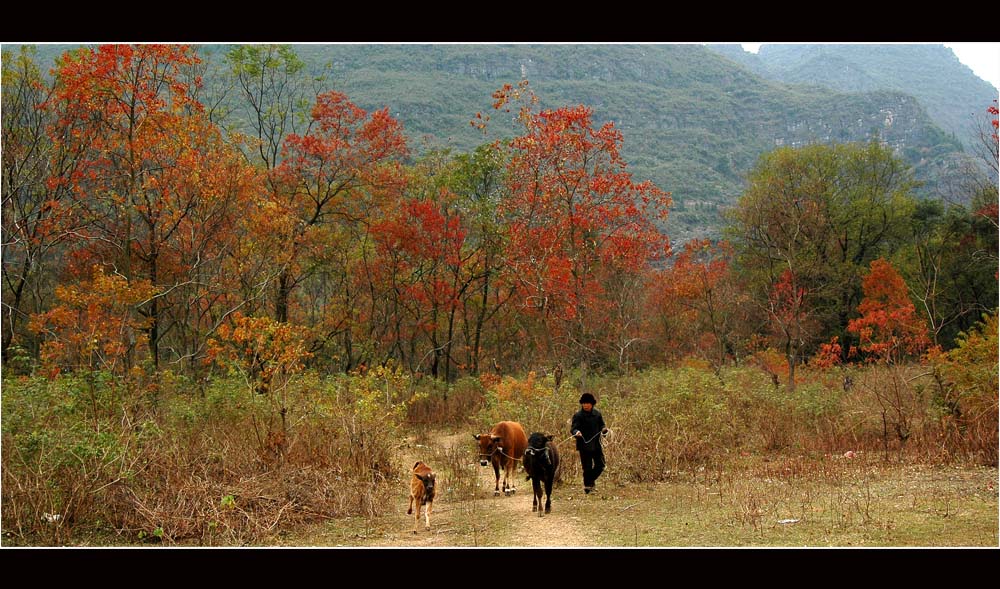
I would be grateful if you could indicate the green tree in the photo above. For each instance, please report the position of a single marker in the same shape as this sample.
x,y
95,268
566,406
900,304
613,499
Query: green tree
x,y
480,184
950,265
276,97
821,213
34,211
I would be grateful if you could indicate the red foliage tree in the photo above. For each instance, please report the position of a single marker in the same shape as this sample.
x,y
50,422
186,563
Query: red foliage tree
x,y
990,152
703,295
328,188
420,247
576,218
790,316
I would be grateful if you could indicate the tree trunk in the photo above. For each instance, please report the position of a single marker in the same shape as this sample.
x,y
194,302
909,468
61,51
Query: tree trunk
x,y
281,301
479,323
791,372
154,319
8,331
447,345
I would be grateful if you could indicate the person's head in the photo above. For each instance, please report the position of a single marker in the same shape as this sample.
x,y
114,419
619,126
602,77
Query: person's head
x,y
587,401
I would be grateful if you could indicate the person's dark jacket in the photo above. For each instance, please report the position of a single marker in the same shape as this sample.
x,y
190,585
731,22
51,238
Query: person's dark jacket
x,y
590,424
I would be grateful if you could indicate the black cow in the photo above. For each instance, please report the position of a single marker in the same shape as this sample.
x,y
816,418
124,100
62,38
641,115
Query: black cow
x,y
541,459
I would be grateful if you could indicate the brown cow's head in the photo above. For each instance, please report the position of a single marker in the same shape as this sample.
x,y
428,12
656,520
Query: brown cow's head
x,y
488,445
428,481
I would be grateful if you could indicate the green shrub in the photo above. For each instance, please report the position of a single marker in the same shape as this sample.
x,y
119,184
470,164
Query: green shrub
x,y
968,379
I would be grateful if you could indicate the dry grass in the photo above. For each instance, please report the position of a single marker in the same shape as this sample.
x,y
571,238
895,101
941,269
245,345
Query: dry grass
x,y
215,471
695,458
856,504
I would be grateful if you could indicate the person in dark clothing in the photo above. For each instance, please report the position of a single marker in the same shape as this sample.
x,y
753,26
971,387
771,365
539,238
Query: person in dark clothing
x,y
588,427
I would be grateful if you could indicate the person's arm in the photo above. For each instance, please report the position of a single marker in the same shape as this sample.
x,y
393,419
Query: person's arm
x,y
574,427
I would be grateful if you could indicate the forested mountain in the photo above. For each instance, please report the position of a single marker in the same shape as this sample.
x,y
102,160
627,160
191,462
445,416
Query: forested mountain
x,y
949,91
694,120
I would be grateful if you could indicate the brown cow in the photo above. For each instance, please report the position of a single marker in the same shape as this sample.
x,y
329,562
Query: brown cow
x,y
503,447
421,493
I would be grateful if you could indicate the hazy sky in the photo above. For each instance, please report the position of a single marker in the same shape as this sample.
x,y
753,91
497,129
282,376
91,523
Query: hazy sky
x,y
982,58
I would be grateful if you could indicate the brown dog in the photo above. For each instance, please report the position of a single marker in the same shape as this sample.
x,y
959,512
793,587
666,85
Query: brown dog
x,y
421,492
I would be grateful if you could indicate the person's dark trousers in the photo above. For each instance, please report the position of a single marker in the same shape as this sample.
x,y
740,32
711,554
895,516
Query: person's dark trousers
x,y
593,465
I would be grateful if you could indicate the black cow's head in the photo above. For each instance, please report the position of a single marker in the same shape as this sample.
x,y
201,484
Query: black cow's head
x,y
538,448
488,445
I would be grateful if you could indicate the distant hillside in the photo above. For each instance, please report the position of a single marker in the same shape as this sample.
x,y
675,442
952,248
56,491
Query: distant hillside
x,y
694,120
950,92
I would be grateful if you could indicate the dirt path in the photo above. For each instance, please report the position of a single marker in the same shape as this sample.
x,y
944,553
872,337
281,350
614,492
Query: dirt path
x,y
486,520
558,528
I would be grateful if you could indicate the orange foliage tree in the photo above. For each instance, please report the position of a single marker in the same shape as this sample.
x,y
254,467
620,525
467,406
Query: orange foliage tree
x,y
38,214
157,188
92,326
266,353
889,329
829,354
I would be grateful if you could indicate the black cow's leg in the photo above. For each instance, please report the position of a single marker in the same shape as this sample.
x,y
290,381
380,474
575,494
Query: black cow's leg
x,y
537,492
548,492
